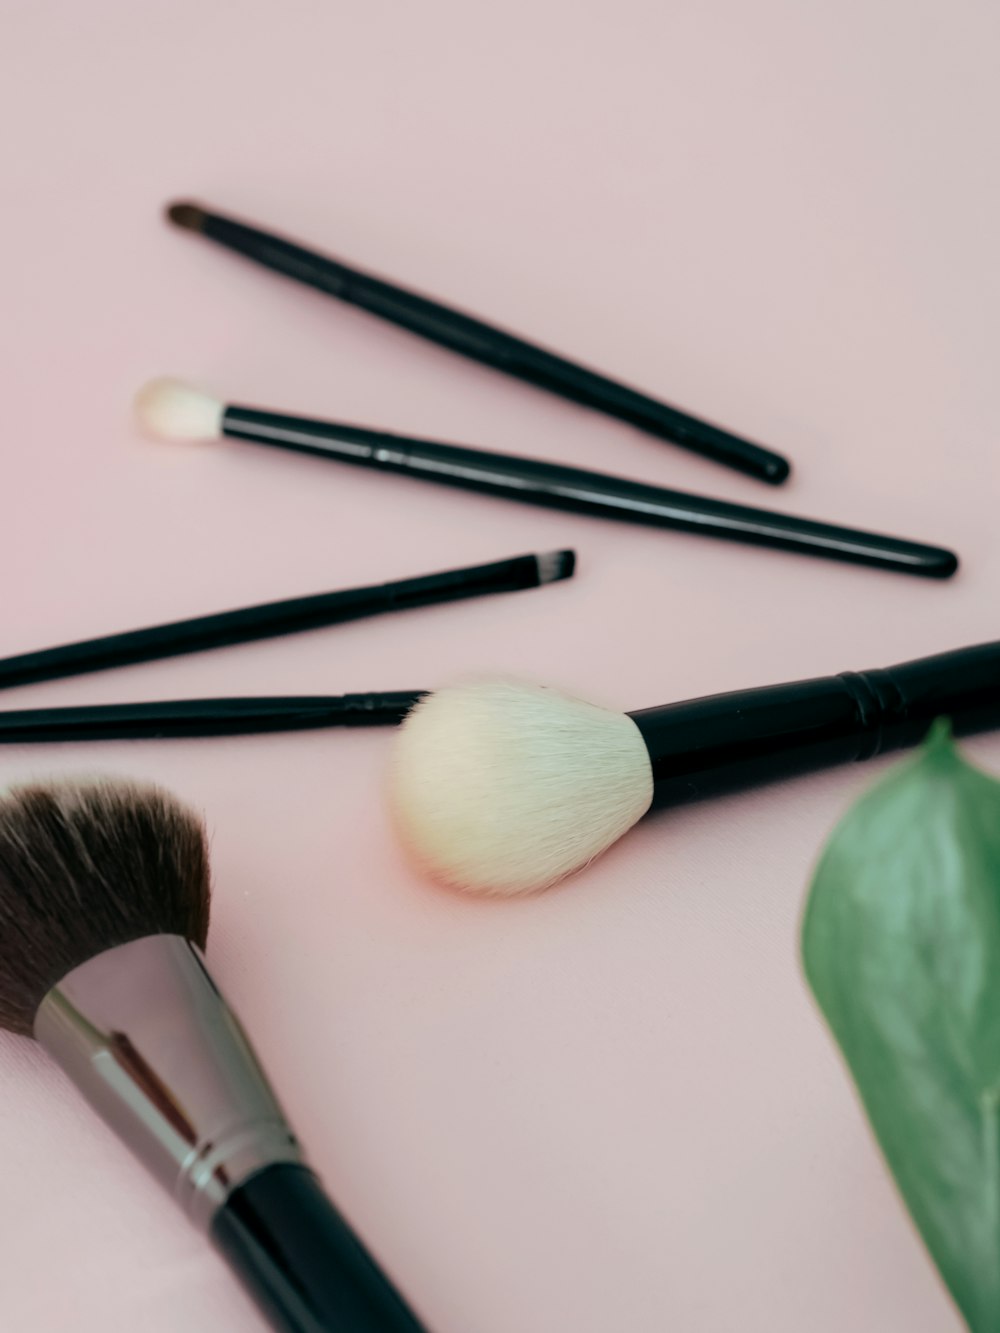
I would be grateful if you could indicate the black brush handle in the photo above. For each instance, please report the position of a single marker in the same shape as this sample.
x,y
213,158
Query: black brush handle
x,y
488,345
301,1262
730,741
266,621
559,487
187,718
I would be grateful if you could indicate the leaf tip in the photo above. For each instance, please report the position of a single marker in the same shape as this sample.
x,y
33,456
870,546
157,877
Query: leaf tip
x,y
940,735
939,744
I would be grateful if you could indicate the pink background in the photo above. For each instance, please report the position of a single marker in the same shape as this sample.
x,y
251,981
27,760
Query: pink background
x,y
613,1106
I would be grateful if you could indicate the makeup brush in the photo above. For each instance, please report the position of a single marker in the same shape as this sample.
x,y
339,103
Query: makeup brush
x,y
104,905
170,410
483,343
286,617
175,719
499,787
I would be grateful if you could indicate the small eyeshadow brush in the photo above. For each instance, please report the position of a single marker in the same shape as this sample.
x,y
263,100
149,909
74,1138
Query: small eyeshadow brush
x,y
286,617
170,410
482,342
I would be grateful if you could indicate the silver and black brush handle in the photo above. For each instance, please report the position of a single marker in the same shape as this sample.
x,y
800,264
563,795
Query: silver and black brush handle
x,y
558,487
725,742
178,719
146,1037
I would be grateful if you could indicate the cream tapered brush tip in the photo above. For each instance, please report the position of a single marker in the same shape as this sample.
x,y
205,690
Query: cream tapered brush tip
x,y
504,788
171,410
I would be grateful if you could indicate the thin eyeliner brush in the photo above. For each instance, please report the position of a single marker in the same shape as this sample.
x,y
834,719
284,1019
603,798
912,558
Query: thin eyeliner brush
x,y
170,410
483,342
180,719
286,617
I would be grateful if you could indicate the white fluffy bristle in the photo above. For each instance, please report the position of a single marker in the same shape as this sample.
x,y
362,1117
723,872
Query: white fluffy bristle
x,y
505,788
171,410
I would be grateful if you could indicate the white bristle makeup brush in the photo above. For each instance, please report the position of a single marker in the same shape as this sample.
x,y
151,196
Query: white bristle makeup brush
x,y
504,788
170,410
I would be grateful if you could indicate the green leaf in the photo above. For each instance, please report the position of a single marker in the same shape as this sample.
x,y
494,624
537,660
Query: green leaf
x,y
901,945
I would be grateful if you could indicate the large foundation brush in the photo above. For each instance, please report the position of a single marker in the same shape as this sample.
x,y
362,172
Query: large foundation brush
x,y
170,410
504,788
104,906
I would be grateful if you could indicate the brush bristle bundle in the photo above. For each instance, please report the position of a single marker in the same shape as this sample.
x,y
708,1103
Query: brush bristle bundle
x,y
506,788
85,867
187,215
171,410
555,565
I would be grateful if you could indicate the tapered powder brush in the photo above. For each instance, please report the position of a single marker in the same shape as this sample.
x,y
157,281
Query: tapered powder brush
x,y
104,907
481,342
505,788
170,410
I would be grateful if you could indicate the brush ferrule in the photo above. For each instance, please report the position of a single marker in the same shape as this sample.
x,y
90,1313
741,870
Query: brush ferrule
x,y
152,1045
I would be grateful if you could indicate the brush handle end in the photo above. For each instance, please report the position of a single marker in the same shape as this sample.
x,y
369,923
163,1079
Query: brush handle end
x,y
300,1261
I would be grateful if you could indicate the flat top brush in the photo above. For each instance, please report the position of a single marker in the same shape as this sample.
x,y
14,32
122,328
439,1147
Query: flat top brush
x,y
171,410
286,617
501,787
482,342
104,908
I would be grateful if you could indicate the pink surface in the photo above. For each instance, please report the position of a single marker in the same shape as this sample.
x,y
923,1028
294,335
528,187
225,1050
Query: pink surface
x,y
611,1107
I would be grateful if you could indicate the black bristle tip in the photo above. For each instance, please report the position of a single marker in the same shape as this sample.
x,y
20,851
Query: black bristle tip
x,y
85,867
187,215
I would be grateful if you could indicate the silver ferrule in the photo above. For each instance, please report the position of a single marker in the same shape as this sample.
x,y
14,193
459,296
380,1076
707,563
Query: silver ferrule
x,y
152,1045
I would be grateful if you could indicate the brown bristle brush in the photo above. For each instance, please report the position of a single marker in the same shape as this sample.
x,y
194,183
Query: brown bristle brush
x,y
104,907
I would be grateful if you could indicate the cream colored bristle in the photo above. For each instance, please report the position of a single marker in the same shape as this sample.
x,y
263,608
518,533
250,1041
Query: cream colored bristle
x,y
505,788
172,410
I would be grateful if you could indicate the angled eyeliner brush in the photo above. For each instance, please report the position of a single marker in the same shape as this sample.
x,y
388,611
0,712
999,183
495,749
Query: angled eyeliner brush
x,y
185,719
169,410
483,342
287,617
